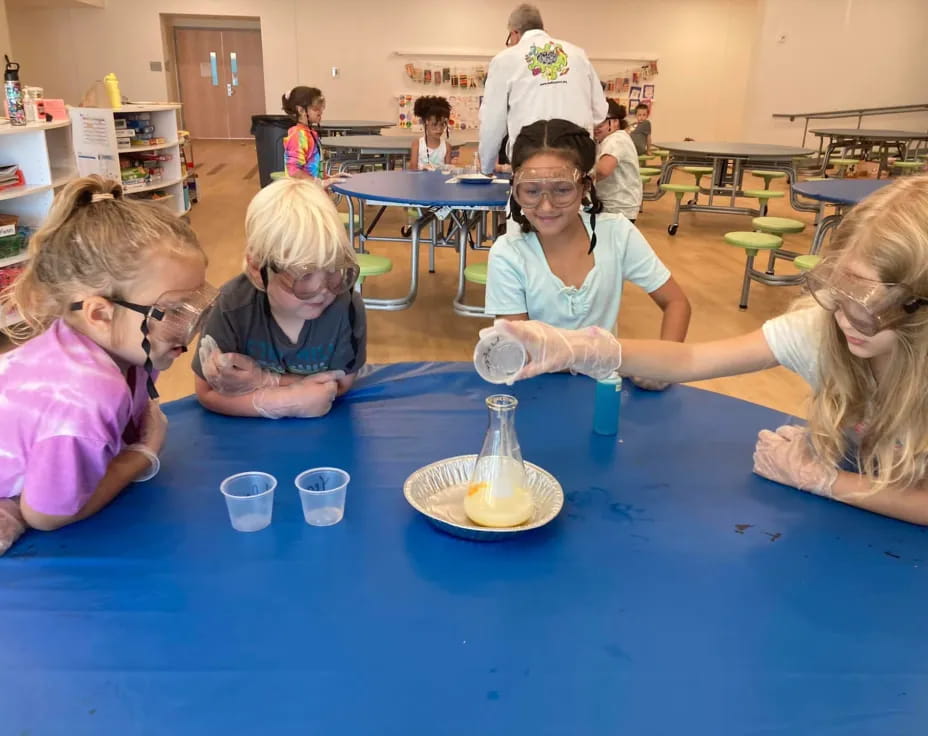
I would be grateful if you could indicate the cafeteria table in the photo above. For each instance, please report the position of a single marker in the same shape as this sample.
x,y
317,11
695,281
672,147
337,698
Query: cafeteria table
x,y
729,161
436,199
843,193
353,127
675,593
389,151
862,141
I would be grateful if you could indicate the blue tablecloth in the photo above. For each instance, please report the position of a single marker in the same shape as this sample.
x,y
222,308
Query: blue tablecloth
x,y
675,593
840,191
422,189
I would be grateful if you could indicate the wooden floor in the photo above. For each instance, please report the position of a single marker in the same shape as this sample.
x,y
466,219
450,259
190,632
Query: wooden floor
x,y
709,271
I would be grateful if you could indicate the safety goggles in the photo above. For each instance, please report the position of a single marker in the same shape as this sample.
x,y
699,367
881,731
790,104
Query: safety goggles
x,y
562,186
175,317
869,306
305,283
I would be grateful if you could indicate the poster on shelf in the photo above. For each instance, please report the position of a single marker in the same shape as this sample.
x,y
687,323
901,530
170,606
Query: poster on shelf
x,y
95,147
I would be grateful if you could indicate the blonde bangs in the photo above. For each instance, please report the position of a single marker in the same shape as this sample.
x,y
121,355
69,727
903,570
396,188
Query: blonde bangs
x,y
293,223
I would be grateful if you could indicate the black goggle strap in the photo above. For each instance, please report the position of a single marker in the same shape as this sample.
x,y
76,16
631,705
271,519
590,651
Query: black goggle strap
x,y
914,305
591,210
148,312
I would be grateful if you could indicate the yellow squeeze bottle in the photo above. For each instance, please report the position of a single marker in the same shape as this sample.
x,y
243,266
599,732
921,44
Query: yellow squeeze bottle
x,y
112,90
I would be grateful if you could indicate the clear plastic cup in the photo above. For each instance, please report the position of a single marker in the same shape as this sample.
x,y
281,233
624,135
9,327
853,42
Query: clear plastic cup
x,y
498,358
322,493
250,499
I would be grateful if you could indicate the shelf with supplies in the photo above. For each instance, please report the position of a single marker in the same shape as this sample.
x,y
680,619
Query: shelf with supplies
x,y
97,132
13,260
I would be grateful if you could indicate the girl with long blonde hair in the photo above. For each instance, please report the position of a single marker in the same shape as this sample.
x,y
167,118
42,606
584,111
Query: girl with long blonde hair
x,y
860,340
113,292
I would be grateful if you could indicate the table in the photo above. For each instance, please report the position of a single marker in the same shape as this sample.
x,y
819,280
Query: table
x,y
429,192
865,139
354,127
386,150
675,593
729,160
841,192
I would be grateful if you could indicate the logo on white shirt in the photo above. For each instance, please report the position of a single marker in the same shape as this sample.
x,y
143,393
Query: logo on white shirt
x,y
550,61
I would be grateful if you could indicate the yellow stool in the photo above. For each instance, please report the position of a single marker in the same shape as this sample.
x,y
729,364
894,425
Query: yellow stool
x,y
806,262
371,265
278,175
678,191
768,175
752,243
778,226
763,196
842,165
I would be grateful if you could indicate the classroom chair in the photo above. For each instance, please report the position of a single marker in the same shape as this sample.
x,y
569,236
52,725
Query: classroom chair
x,y
678,191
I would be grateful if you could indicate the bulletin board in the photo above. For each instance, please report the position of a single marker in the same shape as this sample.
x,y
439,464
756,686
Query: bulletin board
x,y
461,77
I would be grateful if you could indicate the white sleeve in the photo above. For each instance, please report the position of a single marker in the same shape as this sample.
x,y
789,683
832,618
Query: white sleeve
x,y
640,263
493,114
505,292
600,107
794,339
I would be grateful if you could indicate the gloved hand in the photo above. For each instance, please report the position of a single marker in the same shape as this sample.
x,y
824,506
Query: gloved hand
x,y
151,438
334,179
591,350
309,397
12,524
232,374
650,384
786,456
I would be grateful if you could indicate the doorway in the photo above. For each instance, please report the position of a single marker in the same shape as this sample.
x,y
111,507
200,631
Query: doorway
x,y
219,74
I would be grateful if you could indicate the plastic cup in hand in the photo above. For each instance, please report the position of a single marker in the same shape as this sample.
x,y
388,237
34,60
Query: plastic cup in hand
x,y
250,499
322,493
498,358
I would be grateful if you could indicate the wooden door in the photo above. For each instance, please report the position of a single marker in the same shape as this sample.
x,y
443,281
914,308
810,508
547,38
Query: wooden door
x,y
241,50
201,76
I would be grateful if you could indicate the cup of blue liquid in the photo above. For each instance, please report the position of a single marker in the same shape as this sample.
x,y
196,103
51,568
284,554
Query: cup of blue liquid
x,y
322,493
250,499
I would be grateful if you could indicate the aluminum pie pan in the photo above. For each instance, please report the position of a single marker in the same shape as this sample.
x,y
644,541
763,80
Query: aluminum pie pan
x,y
437,492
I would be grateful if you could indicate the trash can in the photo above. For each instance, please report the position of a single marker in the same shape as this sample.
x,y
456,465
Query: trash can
x,y
269,132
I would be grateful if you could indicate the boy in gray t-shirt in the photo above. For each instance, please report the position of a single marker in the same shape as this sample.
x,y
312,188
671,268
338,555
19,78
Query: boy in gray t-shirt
x,y
640,130
288,335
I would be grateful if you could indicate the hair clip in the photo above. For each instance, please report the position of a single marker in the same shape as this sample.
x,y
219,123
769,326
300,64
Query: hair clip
x,y
100,196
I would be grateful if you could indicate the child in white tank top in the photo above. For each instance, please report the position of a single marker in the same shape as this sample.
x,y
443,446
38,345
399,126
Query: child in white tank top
x,y
432,150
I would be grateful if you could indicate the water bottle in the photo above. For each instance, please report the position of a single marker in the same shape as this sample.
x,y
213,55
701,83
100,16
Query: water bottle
x,y
14,93
112,90
608,405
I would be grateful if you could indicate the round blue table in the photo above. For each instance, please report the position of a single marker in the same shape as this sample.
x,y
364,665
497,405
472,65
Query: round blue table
x,y
840,192
437,199
675,593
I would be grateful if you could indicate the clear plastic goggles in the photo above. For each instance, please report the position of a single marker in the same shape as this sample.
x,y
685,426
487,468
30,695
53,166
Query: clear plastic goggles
x,y
175,317
869,306
562,187
305,283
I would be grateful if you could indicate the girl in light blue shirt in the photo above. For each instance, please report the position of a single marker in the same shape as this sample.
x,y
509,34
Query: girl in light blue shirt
x,y
566,266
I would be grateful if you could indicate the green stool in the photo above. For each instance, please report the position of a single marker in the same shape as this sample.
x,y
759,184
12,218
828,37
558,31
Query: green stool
x,y
645,179
644,158
476,273
842,165
661,154
698,172
778,226
371,265
923,156
767,176
763,196
346,219
908,167
806,262
278,175
752,244
649,171
678,191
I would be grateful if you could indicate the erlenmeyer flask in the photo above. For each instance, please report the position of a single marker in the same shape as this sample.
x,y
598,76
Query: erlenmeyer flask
x,y
496,495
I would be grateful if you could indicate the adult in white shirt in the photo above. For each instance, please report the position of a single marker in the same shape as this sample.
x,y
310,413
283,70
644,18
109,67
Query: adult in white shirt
x,y
536,78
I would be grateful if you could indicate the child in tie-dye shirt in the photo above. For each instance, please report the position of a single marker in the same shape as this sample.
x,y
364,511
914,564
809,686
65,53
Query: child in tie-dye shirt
x,y
302,149
113,291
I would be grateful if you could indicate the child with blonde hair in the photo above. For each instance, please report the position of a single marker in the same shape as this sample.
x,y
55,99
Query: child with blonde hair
x,y
113,292
861,341
289,334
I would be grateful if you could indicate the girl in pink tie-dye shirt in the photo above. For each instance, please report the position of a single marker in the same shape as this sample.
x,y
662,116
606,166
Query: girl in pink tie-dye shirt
x,y
113,292
302,148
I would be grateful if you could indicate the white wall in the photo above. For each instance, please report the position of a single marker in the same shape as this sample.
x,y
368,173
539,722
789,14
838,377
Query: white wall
x,y
837,54
4,33
701,44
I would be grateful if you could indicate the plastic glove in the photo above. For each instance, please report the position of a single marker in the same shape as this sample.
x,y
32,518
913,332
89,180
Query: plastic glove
x,y
154,427
232,374
310,397
12,524
786,456
591,350
650,384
